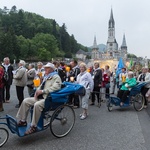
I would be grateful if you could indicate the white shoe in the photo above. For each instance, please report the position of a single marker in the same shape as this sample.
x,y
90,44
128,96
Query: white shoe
x,y
83,114
80,115
83,117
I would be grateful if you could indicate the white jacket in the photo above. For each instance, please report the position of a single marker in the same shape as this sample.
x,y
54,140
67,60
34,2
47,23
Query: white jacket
x,y
85,79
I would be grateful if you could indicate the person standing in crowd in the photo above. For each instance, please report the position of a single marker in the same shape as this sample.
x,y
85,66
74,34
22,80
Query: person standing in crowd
x,y
103,88
113,83
97,78
73,76
106,76
122,77
60,71
20,80
1,88
144,77
62,66
40,70
31,73
51,82
141,77
85,79
8,77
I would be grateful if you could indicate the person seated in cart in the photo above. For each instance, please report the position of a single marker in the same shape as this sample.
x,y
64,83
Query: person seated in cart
x,y
126,87
51,82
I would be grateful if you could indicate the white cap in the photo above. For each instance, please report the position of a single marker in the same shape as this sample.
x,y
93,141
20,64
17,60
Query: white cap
x,y
130,72
50,65
22,62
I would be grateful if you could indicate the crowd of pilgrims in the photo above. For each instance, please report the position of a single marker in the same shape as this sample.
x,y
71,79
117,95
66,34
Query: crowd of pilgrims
x,y
98,82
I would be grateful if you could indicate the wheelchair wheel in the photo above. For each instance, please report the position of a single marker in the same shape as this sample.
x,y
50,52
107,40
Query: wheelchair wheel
x,y
62,121
138,102
4,134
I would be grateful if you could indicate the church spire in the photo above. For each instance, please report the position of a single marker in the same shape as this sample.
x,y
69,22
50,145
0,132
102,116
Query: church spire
x,y
111,20
124,45
95,43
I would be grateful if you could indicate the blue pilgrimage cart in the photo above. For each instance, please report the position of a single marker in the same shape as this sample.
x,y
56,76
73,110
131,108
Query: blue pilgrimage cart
x,y
57,115
135,98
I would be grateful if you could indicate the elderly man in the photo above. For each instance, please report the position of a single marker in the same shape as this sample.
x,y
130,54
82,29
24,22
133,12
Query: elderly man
x,y
97,78
20,80
51,82
8,77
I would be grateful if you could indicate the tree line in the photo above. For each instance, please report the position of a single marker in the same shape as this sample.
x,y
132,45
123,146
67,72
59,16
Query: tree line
x,y
28,36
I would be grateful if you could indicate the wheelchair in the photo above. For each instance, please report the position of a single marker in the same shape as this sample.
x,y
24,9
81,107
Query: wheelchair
x,y
56,115
134,98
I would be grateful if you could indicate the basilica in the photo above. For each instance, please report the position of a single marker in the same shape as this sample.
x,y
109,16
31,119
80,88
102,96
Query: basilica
x,y
111,50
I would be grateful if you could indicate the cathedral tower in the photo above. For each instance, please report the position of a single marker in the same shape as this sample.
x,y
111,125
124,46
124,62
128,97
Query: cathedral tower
x,y
123,47
112,45
95,52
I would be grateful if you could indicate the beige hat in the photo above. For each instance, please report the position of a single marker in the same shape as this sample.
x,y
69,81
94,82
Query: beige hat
x,y
49,65
22,62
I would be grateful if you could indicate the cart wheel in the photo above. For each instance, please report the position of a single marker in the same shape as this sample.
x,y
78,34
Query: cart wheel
x,y
138,102
4,134
62,121
109,107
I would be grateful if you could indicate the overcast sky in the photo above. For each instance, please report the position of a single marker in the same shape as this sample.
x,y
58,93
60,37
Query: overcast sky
x,y
86,18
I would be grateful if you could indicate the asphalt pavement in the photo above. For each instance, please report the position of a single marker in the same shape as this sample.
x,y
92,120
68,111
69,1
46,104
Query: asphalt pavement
x,y
121,129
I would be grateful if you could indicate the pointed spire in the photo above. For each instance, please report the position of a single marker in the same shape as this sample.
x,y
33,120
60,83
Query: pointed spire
x,y
124,42
95,43
111,15
111,20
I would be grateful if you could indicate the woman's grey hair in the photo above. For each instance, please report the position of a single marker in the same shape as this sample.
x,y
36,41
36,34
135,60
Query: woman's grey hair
x,y
83,65
131,73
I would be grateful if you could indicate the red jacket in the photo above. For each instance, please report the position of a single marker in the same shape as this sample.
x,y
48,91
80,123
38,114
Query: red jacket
x,y
105,79
1,77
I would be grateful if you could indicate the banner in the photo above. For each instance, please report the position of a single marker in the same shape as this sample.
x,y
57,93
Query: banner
x,y
120,66
130,64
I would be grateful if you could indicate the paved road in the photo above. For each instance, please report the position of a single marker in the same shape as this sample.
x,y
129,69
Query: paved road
x,y
121,129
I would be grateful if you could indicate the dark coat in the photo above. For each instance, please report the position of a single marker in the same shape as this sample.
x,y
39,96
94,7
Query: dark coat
x,y
74,73
97,77
10,75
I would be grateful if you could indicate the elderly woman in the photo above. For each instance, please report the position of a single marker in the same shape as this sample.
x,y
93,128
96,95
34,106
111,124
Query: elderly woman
x,y
85,79
126,87
31,73
20,80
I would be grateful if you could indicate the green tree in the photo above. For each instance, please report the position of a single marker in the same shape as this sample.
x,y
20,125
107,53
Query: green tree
x,y
44,54
48,42
9,45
